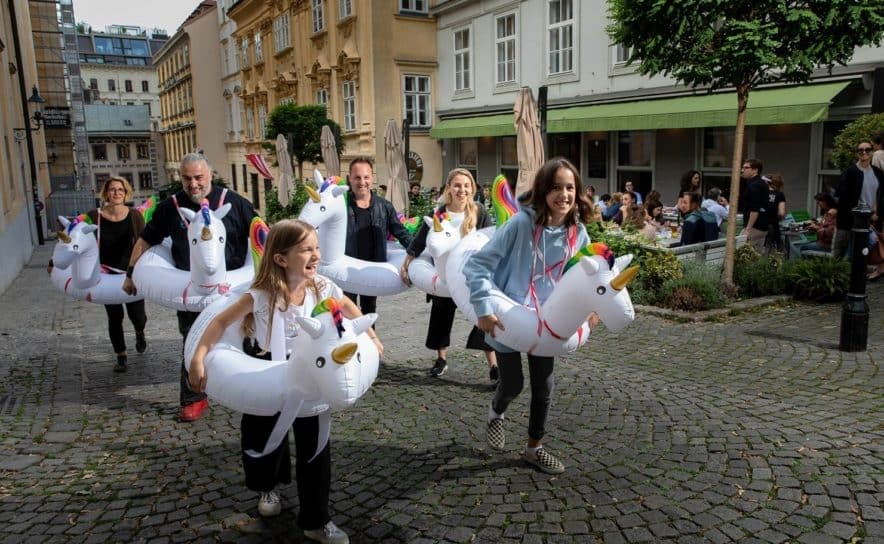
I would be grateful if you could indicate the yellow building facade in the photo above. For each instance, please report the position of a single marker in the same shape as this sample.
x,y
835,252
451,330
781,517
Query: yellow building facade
x,y
367,61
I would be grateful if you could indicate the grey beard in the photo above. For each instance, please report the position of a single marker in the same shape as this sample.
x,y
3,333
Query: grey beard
x,y
196,199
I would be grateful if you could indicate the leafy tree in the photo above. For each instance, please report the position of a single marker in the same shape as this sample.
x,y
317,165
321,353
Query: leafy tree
x,y
844,153
741,44
302,127
276,211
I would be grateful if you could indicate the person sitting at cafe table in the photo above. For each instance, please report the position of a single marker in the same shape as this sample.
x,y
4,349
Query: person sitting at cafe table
x,y
698,225
627,200
824,227
655,217
637,220
613,207
716,204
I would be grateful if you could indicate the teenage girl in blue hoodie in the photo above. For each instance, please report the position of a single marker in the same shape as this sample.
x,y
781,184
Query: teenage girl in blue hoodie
x,y
525,259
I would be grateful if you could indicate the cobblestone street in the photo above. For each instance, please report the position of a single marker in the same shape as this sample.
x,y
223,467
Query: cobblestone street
x,y
753,428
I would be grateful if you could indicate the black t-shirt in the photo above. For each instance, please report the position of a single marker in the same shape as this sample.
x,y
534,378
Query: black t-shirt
x,y
365,242
116,241
167,222
757,201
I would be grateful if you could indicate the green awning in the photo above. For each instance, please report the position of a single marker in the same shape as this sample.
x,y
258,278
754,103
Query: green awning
x,y
788,105
474,127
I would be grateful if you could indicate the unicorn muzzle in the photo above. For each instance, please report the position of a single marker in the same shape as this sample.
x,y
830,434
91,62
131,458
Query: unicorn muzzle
x,y
343,354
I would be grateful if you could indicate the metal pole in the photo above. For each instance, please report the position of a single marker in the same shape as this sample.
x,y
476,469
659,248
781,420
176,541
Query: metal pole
x,y
541,110
855,310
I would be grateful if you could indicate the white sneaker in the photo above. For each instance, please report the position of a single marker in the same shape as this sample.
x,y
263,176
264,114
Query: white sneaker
x,y
269,504
328,534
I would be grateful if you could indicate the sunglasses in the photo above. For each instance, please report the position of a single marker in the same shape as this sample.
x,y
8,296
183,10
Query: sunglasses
x,y
864,149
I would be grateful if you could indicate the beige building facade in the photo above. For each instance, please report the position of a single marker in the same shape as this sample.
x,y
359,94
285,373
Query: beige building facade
x,y
366,61
188,67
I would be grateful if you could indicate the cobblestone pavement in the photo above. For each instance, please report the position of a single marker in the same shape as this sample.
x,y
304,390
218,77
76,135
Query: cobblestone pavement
x,y
751,429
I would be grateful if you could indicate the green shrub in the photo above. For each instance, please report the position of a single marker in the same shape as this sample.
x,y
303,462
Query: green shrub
x,y
658,267
820,279
698,289
756,275
276,211
844,146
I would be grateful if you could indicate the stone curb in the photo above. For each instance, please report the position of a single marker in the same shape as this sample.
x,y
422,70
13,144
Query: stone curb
x,y
709,315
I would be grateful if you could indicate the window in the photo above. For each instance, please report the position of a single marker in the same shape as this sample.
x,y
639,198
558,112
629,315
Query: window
x,y
468,155
318,16
635,151
245,53
101,179
99,152
145,87
93,84
505,48
145,180
123,152
250,119
259,49
349,94
322,98
225,66
561,36
111,85
262,120
345,7
128,85
509,158
621,54
462,60
416,6
417,100
148,107
142,151
281,37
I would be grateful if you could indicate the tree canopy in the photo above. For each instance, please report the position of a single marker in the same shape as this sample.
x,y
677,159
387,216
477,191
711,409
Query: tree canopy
x,y
302,126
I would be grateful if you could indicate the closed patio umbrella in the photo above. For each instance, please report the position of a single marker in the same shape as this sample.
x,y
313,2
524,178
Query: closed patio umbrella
x,y
286,177
529,144
397,187
329,152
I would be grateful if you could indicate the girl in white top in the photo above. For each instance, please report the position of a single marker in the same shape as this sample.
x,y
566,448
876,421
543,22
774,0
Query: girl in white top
x,y
288,277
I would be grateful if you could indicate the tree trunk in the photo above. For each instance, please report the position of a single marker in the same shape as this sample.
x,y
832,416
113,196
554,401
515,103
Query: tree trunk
x,y
734,199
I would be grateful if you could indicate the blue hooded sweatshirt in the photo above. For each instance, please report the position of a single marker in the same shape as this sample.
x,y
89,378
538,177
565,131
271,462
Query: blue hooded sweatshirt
x,y
506,262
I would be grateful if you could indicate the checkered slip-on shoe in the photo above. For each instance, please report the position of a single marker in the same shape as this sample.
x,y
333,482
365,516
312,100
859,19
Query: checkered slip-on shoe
x,y
495,435
545,461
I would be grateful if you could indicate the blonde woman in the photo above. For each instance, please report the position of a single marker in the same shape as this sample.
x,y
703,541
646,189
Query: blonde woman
x,y
457,201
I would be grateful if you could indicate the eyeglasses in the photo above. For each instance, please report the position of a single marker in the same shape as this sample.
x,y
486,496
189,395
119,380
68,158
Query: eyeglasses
x,y
747,167
864,149
116,190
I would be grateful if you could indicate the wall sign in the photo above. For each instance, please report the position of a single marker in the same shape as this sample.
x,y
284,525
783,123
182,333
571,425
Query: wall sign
x,y
415,166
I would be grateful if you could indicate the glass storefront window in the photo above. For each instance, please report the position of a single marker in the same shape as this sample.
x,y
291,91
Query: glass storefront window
x,y
635,147
830,130
468,153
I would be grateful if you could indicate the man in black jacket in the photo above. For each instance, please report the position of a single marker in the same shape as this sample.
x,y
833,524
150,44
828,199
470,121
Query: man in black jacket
x,y
755,215
860,181
370,220
196,179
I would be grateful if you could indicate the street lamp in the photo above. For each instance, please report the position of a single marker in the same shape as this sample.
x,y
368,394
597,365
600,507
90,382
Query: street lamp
x,y
35,120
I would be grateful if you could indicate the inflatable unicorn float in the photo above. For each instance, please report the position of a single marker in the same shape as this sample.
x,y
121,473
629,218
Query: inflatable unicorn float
x,y
593,281
326,210
159,281
77,271
331,365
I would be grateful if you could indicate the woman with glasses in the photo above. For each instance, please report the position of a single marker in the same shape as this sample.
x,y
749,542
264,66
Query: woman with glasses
x,y
860,182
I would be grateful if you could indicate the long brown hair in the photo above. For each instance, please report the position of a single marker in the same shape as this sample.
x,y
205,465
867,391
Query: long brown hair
x,y
543,184
270,277
471,213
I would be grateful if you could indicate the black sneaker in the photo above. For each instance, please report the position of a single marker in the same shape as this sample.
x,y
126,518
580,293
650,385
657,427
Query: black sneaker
x,y
140,342
121,364
493,374
545,461
439,368
495,435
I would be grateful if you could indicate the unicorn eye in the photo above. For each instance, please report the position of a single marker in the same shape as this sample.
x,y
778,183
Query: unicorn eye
x,y
320,362
448,234
76,247
322,208
193,242
358,357
601,290
220,239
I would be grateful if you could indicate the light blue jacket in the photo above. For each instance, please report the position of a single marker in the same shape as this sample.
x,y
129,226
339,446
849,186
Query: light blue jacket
x,y
506,262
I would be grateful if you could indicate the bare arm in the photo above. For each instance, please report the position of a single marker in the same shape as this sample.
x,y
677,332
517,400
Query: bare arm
x,y
137,251
197,371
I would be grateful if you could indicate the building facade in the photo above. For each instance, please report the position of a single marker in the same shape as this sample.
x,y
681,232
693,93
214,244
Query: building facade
x,y
121,143
615,124
231,168
188,66
366,61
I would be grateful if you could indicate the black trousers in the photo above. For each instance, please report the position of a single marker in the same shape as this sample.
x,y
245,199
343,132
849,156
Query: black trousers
x,y
186,395
368,305
540,369
265,473
115,322
442,311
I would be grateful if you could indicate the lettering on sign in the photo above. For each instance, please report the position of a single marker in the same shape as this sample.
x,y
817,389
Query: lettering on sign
x,y
415,166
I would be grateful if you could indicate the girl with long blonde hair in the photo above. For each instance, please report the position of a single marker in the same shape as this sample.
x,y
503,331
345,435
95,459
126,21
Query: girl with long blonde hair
x,y
459,205
286,284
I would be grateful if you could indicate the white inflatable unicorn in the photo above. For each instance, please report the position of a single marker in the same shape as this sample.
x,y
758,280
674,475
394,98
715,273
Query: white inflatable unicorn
x,y
159,281
429,275
332,364
77,271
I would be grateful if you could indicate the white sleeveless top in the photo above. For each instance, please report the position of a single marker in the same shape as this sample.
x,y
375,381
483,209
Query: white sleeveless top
x,y
261,309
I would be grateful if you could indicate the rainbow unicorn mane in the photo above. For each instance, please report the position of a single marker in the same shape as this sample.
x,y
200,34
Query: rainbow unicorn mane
x,y
596,249
82,218
331,181
147,208
258,231
502,200
332,306
411,224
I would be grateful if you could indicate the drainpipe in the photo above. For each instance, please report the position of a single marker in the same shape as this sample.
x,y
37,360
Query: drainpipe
x,y
26,119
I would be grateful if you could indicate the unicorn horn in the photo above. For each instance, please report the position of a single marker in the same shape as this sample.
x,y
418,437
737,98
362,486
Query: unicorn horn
x,y
437,226
344,353
314,196
624,278
62,235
